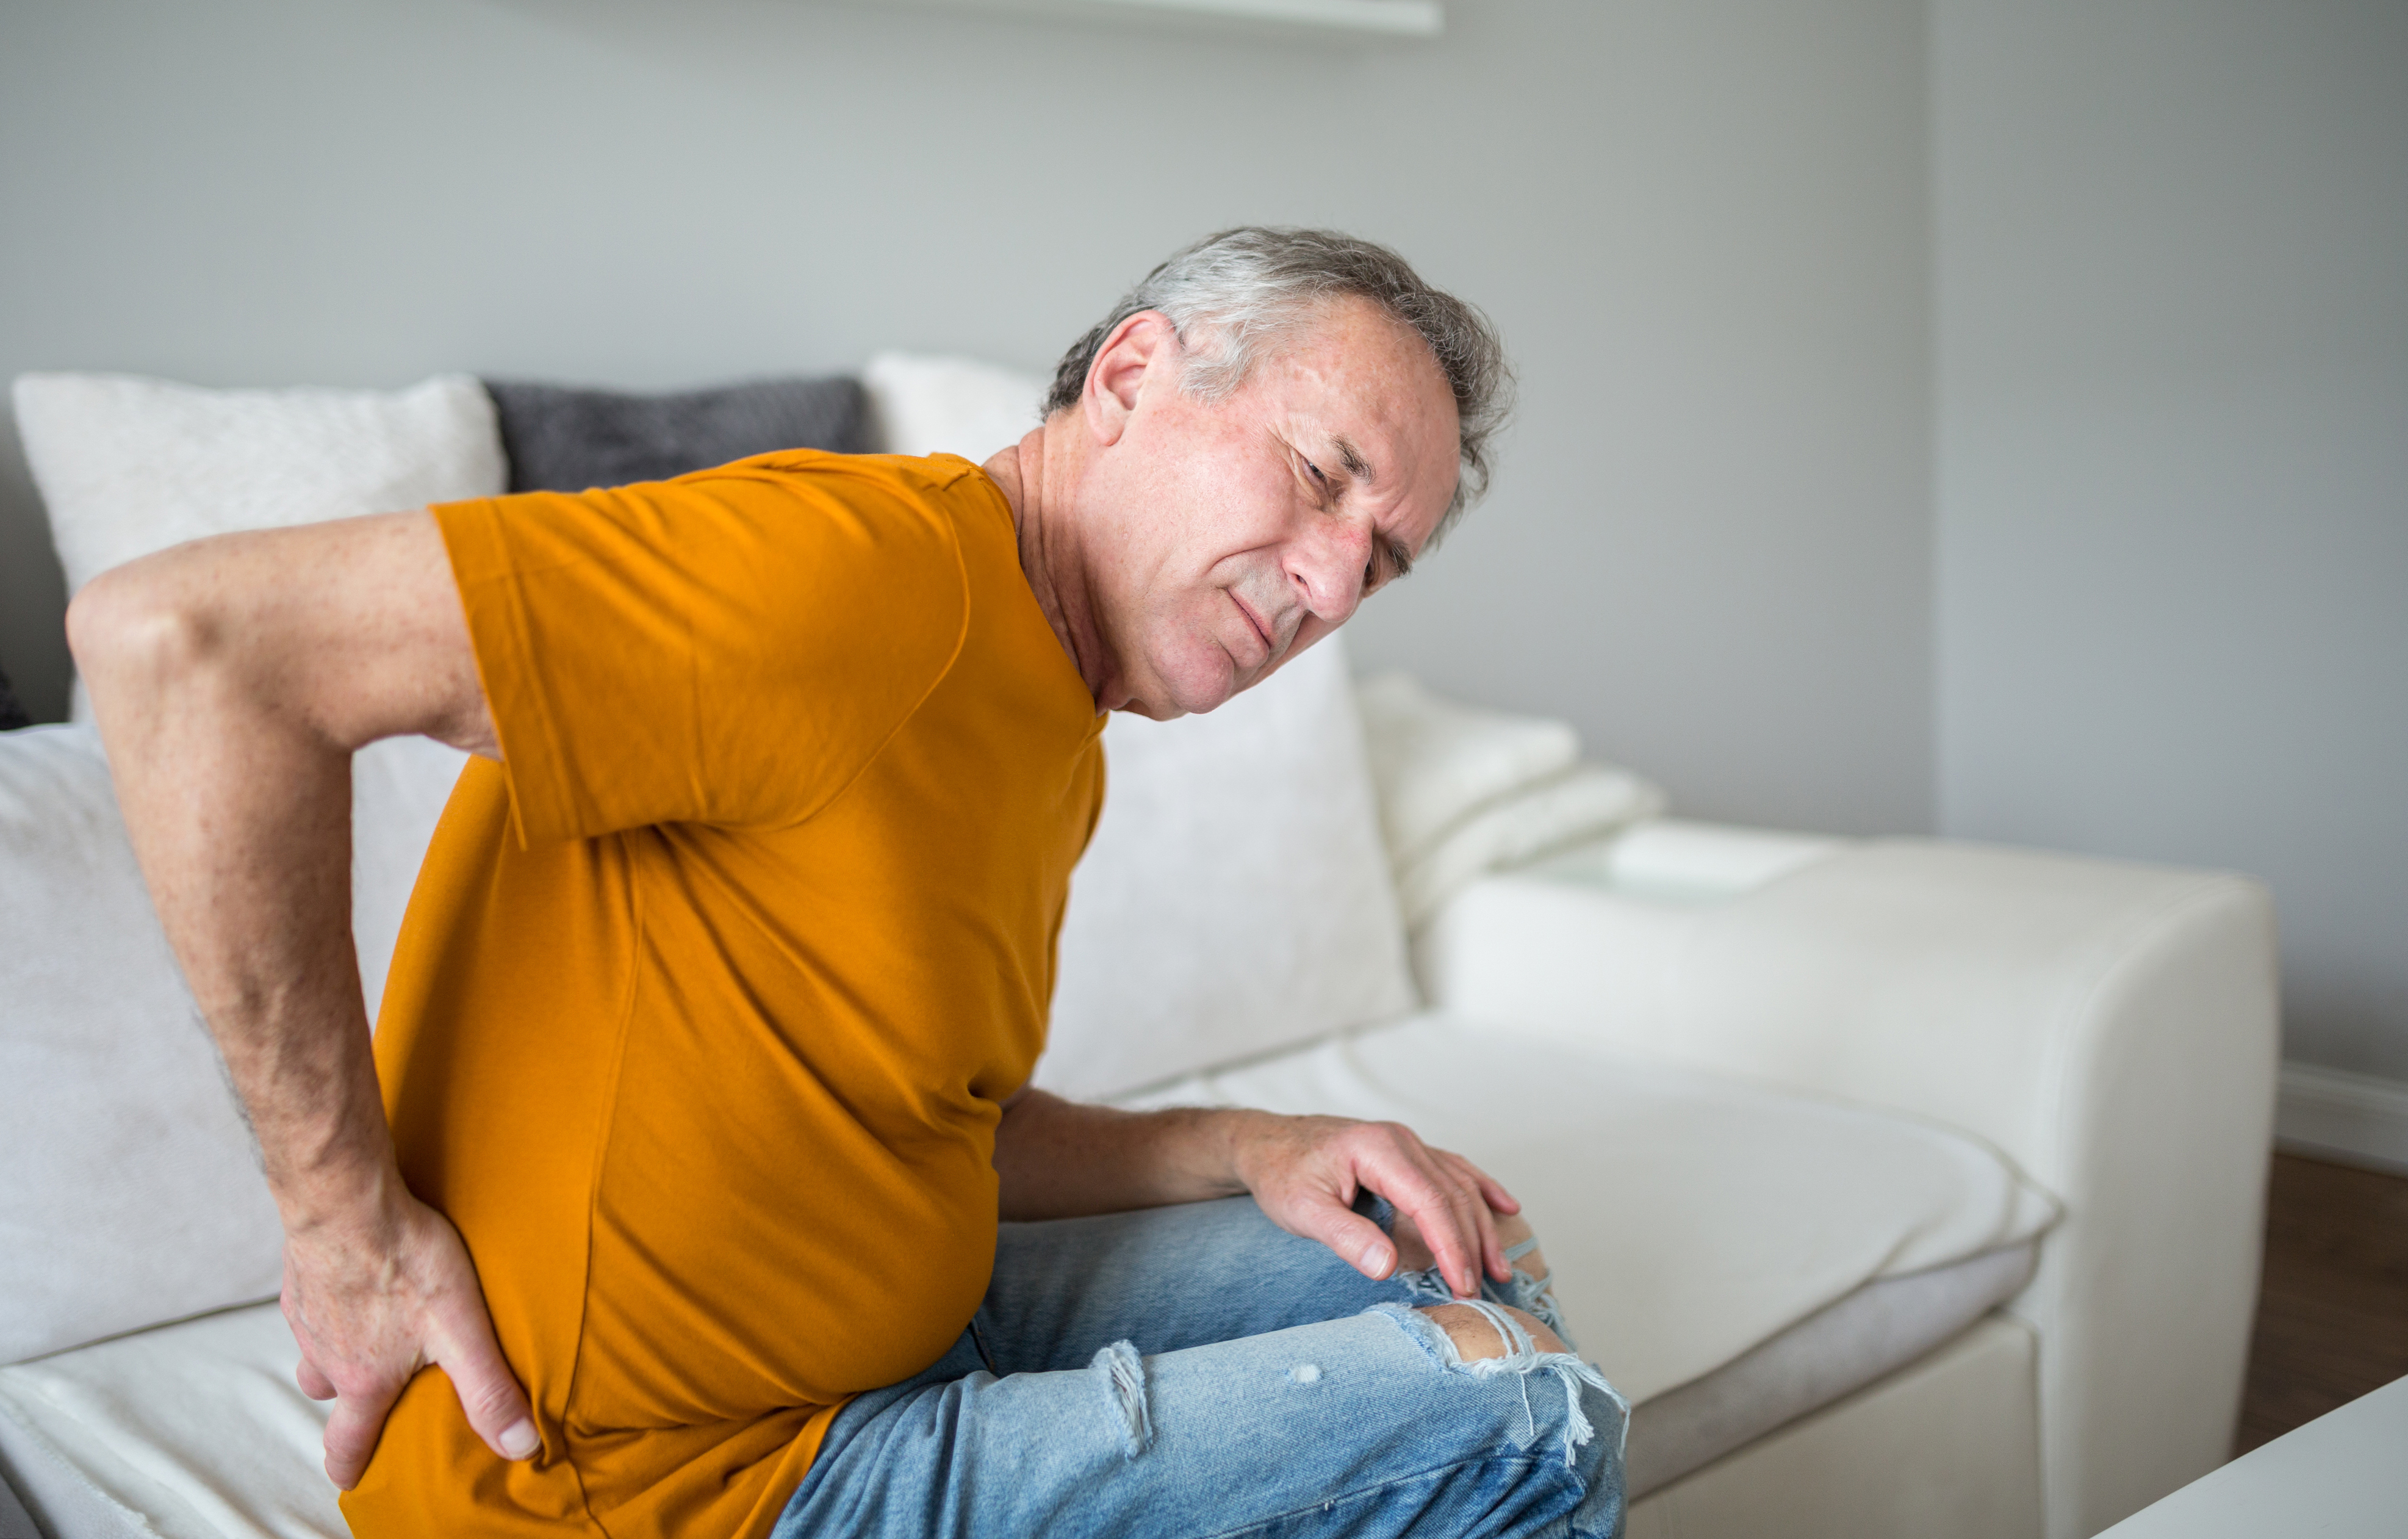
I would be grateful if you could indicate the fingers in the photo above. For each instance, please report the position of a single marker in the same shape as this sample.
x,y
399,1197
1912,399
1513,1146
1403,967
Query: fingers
x,y
1493,1199
1352,1238
1473,1240
351,1434
489,1393
307,1374
1488,1252
1443,1203
1470,1241
1492,1191
315,1385
370,1311
1304,1172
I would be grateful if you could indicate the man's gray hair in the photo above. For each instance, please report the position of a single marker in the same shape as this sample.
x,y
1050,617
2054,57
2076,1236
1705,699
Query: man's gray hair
x,y
1232,297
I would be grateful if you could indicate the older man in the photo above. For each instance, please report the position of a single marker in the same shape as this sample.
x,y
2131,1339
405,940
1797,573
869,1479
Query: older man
x,y
702,1075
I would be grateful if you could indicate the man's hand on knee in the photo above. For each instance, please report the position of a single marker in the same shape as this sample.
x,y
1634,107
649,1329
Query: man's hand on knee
x,y
1305,1172
371,1308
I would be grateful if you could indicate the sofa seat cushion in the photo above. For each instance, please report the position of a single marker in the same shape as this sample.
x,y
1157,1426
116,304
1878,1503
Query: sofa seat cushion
x,y
197,1426
195,1430
1888,1324
1733,1255
1687,1217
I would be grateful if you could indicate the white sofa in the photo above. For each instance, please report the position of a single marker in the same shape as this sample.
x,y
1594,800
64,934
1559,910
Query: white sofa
x,y
1904,1187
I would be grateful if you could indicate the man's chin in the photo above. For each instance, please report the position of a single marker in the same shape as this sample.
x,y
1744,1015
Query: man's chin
x,y
1192,690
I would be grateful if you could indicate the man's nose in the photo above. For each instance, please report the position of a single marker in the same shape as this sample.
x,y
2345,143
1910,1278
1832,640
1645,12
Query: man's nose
x,y
1325,566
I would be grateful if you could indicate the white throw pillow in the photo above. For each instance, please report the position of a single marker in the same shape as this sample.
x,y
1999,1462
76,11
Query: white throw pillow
x,y
1437,761
1464,791
1585,802
950,406
1236,898
129,466
131,1194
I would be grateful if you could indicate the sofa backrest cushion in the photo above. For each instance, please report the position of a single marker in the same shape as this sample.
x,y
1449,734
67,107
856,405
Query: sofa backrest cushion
x,y
132,1193
1235,898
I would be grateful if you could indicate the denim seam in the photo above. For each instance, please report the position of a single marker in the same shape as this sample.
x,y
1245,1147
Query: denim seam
x,y
1518,1456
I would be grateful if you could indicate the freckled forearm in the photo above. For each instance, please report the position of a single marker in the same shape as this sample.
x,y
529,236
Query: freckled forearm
x,y
1057,1159
239,813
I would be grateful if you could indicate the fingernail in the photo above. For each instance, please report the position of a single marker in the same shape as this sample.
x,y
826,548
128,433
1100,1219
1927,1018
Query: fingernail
x,y
519,1442
1375,1259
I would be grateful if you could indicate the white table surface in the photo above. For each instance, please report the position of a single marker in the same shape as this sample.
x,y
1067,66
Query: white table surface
x,y
2343,1475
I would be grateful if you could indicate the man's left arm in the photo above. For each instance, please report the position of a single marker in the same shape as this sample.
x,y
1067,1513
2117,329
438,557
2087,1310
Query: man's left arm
x,y
1062,1160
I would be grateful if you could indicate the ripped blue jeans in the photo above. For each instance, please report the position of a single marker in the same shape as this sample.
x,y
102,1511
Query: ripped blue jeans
x,y
1196,1371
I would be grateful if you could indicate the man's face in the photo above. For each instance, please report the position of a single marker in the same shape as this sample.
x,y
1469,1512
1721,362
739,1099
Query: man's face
x,y
1233,535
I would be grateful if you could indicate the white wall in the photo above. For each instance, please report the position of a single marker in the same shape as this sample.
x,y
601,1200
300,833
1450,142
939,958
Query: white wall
x,y
2170,248
2173,465
1702,227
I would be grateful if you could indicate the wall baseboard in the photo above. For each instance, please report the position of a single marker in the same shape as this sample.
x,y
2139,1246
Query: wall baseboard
x,y
2358,1119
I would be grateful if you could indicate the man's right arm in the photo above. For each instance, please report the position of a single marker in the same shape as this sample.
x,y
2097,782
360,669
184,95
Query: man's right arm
x,y
233,678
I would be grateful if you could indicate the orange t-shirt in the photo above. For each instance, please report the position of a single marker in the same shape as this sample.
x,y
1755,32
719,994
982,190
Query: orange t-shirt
x,y
709,992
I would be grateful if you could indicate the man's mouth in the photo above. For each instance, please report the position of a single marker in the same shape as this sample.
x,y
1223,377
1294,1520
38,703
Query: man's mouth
x,y
1270,648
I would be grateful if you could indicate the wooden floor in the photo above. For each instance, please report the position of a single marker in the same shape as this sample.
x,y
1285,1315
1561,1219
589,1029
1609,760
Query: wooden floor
x,y
2333,1320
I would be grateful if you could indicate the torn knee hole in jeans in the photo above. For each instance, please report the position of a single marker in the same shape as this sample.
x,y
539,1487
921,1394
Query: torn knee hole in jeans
x,y
1528,1294
1536,1295
1522,1360
1121,1375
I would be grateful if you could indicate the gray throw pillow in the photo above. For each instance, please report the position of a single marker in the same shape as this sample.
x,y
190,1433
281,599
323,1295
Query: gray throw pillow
x,y
562,440
12,715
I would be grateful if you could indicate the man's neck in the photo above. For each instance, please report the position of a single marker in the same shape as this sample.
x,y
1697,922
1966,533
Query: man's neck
x,y
1038,484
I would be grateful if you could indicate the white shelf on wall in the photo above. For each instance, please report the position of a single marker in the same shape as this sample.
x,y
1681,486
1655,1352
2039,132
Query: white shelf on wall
x,y
1329,18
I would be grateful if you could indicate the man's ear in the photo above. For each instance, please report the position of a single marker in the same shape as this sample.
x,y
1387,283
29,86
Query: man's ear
x,y
1118,374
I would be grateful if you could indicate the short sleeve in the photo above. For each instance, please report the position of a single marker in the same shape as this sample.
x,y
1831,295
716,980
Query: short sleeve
x,y
732,647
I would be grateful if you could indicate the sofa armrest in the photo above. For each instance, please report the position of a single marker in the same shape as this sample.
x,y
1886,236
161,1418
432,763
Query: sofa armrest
x,y
2111,1028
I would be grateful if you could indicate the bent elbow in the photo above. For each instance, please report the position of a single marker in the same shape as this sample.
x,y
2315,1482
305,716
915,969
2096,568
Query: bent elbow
x,y
90,619
131,627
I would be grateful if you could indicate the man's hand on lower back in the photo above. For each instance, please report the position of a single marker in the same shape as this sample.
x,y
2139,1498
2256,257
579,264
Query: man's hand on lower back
x,y
1305,1172
372,1306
